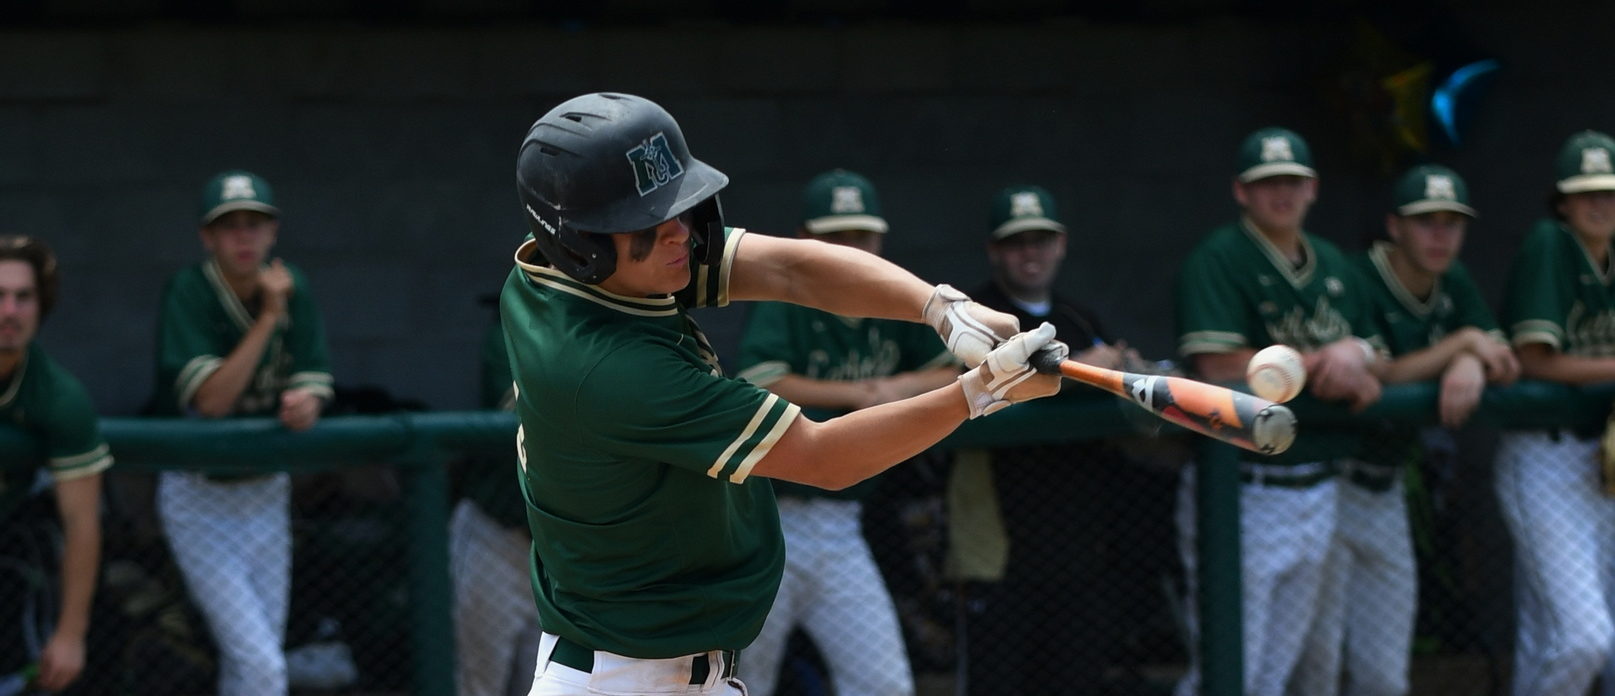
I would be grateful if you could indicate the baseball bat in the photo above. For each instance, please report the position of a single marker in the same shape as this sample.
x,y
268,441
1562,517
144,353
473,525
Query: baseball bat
x,y
1220,413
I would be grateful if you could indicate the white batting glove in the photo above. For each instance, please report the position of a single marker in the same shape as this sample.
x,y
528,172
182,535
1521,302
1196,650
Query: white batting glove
x,y
1006,377
969,329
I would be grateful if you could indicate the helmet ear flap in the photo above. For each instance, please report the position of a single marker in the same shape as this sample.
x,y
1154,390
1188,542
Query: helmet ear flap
x,y
706,229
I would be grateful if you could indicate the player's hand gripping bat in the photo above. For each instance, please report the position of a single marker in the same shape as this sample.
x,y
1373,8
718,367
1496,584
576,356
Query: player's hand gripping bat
x,y
1236,418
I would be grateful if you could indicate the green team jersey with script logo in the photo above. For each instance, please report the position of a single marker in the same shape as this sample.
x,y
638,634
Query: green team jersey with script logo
x,y
785,339
46,401
1237,290
651,539
202,321
1558,296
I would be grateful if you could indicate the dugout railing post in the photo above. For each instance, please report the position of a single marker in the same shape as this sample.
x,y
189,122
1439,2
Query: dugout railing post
x,y
431,601
1221,611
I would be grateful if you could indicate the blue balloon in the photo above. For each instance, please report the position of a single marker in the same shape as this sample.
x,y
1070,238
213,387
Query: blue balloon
x,y
1456,92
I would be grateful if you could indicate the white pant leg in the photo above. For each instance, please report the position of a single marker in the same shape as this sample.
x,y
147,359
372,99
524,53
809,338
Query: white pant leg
x,y
621,678
1382,590
1562,528
1317,672
493,602
221,535
1285,536
853,622
1286,540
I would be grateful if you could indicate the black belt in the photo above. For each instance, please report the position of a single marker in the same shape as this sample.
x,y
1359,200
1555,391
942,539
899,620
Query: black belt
x,y
1281,480
1378,481
581,659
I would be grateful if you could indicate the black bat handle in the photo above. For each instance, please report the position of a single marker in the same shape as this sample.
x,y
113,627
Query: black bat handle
x,y
1046,361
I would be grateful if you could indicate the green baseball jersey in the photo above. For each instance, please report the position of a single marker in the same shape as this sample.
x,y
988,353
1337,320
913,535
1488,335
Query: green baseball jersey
x,y
202,320
494,486
650,537
785,339
46,401
1237,290
1558,296
1409,324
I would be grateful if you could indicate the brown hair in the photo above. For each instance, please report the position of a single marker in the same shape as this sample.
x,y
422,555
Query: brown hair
x,y
21,247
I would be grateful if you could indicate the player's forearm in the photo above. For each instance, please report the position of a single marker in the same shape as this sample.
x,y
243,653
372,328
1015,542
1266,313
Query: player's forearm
x,y
819,393
1537,361
829,277
219,392
1428,363
81,553
842,451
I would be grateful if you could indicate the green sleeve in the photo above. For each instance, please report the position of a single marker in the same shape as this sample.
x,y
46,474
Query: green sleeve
x,y
1536,302
1213,316
683,414
187,352
768,351
497,391
1469,307
73,436
305,339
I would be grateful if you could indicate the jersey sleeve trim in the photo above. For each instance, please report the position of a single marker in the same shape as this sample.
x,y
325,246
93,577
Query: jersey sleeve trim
x,y
1196,342
75,466
765,373
1538,331
707,293
756,440
192,376
317,383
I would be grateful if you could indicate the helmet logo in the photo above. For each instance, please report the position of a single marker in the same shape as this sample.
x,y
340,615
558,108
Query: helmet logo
x,y
1595,160
1276,148
1025,205
545,223
1439,186
846,199
654,164
238,187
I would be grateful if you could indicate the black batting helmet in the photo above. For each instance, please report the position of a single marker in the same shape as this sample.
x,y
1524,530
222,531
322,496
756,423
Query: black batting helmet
x,y
21,247
609,163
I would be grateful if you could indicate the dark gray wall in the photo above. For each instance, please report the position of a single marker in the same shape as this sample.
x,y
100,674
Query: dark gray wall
x,y
392,151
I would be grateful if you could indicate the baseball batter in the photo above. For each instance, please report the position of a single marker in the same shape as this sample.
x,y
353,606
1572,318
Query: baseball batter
x,y
831,586
1437,327
657,546
1560,309
238,335
495,622
43,399
1261,281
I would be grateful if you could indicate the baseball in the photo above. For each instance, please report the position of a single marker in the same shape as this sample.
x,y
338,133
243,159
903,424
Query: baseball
x,y
1275,373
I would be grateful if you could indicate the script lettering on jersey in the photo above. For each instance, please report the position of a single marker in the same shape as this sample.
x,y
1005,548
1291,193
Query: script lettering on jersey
x,y
879,358
1590,333
1308,331
654,164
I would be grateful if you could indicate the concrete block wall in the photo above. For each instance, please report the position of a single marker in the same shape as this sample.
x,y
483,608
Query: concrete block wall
x,y
392,150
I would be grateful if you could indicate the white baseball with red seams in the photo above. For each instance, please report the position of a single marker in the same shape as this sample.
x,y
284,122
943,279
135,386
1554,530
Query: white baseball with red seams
x,y
1276,373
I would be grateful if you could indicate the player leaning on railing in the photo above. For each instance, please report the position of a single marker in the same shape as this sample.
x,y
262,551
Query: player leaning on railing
x,y
41,398
658,547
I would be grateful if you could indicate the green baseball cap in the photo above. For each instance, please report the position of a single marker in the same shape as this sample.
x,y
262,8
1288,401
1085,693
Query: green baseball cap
x,y
237,189
1274,152
1020,209
1584,163
841,200
1428,188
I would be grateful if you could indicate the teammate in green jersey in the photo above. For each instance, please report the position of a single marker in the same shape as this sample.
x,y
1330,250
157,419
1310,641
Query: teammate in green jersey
x,y
1261,281
831,587
40,397
657,547
1559,307
239,335
1437,327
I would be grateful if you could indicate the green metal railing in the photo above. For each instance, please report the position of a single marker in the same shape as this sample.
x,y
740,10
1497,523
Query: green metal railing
x,y
420,444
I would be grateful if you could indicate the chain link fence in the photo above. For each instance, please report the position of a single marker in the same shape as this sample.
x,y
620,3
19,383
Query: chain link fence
x,y
1055,565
